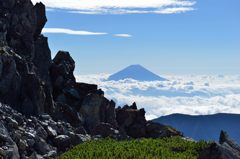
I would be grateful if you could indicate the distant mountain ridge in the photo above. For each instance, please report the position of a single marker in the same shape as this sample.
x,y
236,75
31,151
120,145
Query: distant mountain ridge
x,y
136,72
204,127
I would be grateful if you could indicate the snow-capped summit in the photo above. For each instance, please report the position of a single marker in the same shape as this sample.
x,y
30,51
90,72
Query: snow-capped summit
x,y
136,72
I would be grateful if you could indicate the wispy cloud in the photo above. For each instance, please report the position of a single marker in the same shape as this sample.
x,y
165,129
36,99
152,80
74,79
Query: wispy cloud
x,y
123,35
78,32
122,6
69,31
174,10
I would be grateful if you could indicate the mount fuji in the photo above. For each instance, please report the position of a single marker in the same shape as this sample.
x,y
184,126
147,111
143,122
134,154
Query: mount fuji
x,y
136,72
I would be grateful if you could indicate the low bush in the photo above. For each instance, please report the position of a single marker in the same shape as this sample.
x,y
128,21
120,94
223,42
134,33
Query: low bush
x,y
167,148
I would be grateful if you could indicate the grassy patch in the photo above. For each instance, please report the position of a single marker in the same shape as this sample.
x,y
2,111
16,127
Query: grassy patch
x,y
168,148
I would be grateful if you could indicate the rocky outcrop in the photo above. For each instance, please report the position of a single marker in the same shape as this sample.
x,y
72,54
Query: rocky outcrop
x,y
25,57
133,122
42,58
62,76
96,109
225,149
21,25
20,86
22,137
10,85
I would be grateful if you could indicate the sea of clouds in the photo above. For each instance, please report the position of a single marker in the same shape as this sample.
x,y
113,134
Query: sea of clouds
x,y
186,94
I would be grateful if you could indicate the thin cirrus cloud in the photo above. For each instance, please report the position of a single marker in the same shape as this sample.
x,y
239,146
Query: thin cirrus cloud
x,y
69,31
121,6
78,32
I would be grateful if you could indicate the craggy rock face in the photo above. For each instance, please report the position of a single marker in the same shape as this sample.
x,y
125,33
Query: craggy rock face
x,y
18,85
132,121
62,74
96,109
22,24
9,77
24,79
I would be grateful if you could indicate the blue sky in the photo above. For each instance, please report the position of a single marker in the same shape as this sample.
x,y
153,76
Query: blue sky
x,y
202,39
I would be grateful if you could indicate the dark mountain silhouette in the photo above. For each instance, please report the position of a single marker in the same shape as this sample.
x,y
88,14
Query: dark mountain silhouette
x,y
136,72
204,127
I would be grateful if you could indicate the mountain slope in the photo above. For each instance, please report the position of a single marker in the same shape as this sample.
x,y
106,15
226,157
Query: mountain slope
x,y
136,72
206,127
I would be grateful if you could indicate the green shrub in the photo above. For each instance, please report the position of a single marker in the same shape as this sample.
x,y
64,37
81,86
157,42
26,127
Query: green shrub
x,y
168,148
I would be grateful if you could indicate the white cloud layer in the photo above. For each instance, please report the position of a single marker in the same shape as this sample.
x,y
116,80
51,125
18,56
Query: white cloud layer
x,y
121,6
195,95
69,31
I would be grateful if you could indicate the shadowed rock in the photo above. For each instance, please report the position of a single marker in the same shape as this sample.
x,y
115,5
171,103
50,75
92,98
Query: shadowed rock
x,y
226,149
41,18
96,109
105,130
133,122
24,82
155,130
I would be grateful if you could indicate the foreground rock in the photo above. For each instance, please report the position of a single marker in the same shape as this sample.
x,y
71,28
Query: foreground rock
x,y
225,149
22,137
